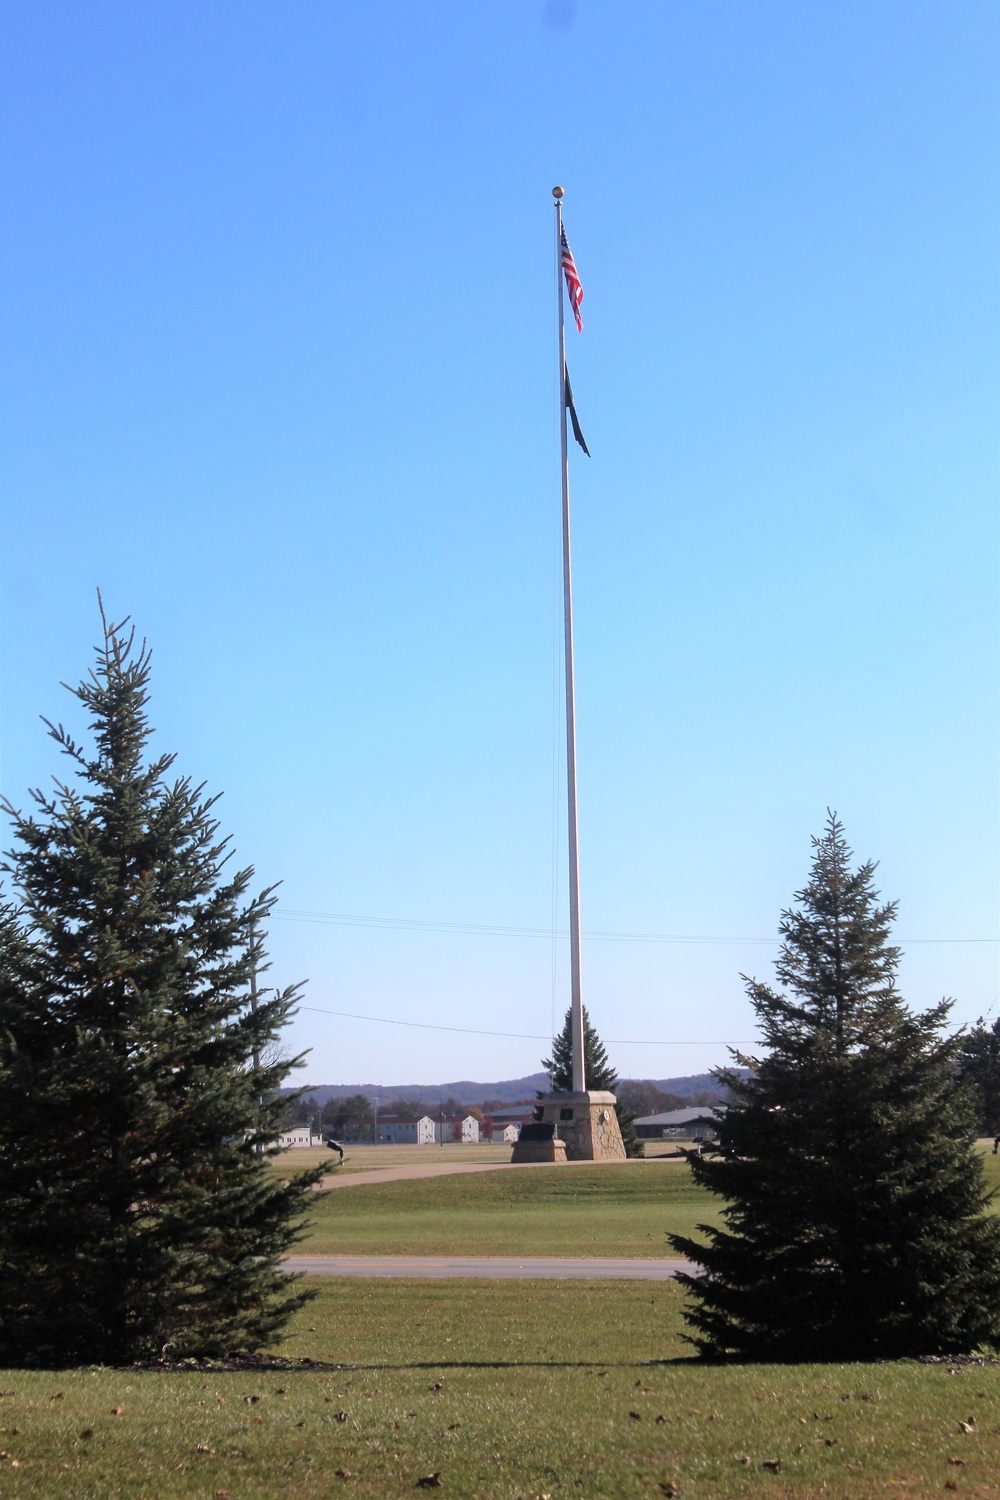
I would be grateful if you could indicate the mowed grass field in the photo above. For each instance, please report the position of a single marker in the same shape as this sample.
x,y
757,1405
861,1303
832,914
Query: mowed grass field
x,y
624,1211
501,1390
494,1390
373,1158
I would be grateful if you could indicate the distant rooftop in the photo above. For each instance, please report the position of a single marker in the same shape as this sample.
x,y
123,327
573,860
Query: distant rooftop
x,y
680,1116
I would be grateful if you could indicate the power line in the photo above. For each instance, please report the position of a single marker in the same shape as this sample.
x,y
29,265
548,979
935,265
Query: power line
x,y
521,1036
485,929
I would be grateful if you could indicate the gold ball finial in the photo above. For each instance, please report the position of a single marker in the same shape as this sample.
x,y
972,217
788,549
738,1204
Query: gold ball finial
x,y
557,193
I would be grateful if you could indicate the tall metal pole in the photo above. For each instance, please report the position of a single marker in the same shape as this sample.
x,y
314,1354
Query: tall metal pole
x,y
576,992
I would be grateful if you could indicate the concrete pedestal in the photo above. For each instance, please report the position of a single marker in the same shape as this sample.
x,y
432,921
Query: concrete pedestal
x,y
539,1141
586,1124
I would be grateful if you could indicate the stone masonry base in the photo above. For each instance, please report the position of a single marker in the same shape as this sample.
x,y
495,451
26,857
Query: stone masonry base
x,y
586,1123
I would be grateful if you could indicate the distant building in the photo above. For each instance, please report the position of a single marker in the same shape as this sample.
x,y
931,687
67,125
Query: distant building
x,y
508,1134
399,1131
679,1124
300,1135
458,1129
513,1114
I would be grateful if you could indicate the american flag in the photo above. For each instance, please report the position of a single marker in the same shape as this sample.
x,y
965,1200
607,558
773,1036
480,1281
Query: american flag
x,y
573,286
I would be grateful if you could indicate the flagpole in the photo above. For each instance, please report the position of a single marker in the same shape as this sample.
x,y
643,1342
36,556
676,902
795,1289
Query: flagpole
x,y
576,992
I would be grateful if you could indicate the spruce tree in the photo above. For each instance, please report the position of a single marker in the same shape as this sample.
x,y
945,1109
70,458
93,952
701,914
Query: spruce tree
x,y
979,1065
855,1223
599,1073
140,1214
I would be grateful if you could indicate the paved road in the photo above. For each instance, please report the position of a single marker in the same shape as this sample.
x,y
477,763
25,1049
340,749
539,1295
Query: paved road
x,y
496,1268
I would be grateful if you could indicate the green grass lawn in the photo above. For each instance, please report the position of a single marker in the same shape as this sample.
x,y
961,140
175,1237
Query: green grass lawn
x,y
505,1390
622,1210
376,1158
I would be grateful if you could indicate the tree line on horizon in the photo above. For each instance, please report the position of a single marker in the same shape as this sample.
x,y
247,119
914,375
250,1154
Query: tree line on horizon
x,y
355,1113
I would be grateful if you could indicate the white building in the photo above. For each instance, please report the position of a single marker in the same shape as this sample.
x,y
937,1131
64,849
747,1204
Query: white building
x,y
508,1135
300,1135
396,1131
459,1130
427,1131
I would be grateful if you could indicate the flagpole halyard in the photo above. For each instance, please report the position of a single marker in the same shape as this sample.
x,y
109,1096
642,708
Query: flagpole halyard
x,y
576,990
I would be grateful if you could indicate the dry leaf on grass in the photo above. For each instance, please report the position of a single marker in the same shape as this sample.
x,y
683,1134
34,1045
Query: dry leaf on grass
x,y
343,1473
430,1481
950,1484
636,1416
744,1460
661,1420
774,1464
202,1448
341,1416
300,1424
88,1432
958,1461
118,1411
969,1426
437,1386
223,1494
670,1488
453,1425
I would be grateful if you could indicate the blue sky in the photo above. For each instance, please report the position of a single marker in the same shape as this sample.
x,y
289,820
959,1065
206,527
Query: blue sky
x,y
278,376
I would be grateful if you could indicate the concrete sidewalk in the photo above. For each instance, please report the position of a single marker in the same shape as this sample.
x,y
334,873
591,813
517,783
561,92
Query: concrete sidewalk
x,y
494,1268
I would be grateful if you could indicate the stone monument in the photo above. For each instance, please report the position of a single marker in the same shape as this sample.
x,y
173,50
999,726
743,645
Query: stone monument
x,y
577,1126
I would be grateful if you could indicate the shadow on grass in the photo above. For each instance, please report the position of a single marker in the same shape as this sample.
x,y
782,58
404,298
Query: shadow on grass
x,y
602,1366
